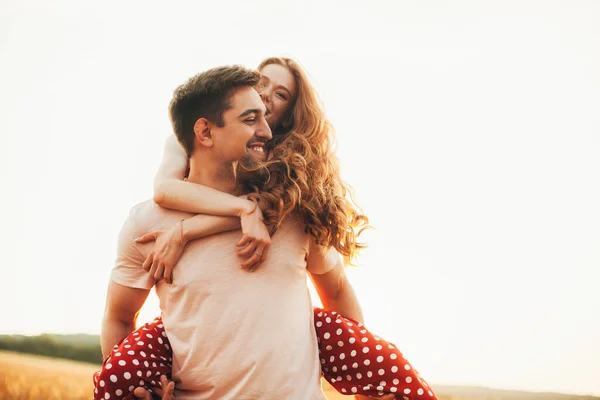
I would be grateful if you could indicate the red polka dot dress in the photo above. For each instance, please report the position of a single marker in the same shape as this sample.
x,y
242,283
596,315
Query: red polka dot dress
x,y
353,360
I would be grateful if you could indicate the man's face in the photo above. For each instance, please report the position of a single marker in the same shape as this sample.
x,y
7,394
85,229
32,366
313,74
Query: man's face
x,y
245,131
278,91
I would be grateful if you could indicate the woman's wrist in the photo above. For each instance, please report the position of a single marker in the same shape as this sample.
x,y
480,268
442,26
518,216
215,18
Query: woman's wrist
x,y
246,207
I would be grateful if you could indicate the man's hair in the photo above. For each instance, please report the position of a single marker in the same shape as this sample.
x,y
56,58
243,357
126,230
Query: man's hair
x,y
206,95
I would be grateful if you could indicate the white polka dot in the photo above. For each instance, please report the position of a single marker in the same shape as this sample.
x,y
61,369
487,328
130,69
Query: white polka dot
x,y
355,365
430,393
353,353
334,369
141,382
339,331
380,388
118,354
160,340
139,373
127,375
107,395
147,364
341,344
113,378
390,346
122,363
143,354
339,378
328,320
352,340
369,374
332,359
363,331
350,330
118,392
354,390
393,389
108,366
140,343
348,378
420,391
131,388
364,340
393,356
127,346
135,362
135,333
380,359
396,381
381,372
406,367
319,324
102,383
344,390
365,350
407,391
131,352
382,383
359,376
326,335
328,348
344,367
320,314
408,379
342,356
148,335
367,362
395,368
148,374
379,347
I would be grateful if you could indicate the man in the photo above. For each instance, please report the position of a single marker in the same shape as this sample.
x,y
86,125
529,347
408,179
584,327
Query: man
x,y
225,325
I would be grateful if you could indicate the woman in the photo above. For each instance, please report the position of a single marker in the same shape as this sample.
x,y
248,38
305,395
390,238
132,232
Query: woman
x,y
302,176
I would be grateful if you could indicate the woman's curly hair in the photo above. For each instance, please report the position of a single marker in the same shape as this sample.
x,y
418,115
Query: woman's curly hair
x,y
303,174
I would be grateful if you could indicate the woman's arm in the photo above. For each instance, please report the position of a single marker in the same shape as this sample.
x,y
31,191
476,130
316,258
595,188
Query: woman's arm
x,y
171,191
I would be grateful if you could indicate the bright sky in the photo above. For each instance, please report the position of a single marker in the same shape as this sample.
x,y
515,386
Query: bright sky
x,y
470,130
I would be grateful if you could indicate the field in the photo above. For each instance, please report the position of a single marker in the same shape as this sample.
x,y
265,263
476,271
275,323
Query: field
x,y
31,377
25,377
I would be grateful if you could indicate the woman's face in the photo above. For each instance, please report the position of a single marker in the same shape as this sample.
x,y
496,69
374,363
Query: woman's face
x,y
278,91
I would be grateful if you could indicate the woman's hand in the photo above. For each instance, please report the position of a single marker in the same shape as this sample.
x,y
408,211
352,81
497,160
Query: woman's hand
x,y
256,241
166,252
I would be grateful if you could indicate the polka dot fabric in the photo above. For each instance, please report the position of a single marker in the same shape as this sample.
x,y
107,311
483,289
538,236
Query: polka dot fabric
x,y
137,361
355,361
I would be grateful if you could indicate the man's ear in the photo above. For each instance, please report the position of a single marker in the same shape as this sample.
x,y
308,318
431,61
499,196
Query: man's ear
x,y
202,132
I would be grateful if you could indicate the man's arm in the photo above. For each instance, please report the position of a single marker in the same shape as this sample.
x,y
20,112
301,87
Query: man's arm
x,y
326,269
122,308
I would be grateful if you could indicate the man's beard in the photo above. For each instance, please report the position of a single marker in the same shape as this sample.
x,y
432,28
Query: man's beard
x,y
250,172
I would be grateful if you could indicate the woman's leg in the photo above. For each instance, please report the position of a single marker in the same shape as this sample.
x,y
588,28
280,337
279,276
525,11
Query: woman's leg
x,y
355,361
136,361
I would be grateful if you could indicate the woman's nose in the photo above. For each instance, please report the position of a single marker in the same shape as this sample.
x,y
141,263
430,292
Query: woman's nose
x,y
265,94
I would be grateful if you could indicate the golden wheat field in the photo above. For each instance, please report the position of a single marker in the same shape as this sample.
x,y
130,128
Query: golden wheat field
x,y
29,377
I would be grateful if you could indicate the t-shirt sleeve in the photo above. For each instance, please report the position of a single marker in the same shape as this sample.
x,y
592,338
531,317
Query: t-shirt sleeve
x,y
128,269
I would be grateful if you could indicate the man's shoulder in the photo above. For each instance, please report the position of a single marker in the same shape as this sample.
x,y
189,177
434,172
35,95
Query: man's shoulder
x,y
148,215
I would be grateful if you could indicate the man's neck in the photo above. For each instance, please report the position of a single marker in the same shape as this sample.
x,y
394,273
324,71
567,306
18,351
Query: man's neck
x,y
214,175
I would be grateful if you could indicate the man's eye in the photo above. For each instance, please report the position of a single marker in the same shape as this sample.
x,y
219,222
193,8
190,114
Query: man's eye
x,y
250,120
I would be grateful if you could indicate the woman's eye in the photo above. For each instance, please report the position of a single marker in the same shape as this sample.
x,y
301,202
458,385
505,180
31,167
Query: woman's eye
x,y
281,96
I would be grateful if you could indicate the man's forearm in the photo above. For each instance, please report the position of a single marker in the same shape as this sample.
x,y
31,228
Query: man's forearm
x,y
113,331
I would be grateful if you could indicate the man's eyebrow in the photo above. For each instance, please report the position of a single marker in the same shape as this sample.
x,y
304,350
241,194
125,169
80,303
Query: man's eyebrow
x,y
250,111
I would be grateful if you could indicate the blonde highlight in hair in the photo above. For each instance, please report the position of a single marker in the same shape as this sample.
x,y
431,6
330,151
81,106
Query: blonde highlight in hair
x,y
303,174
